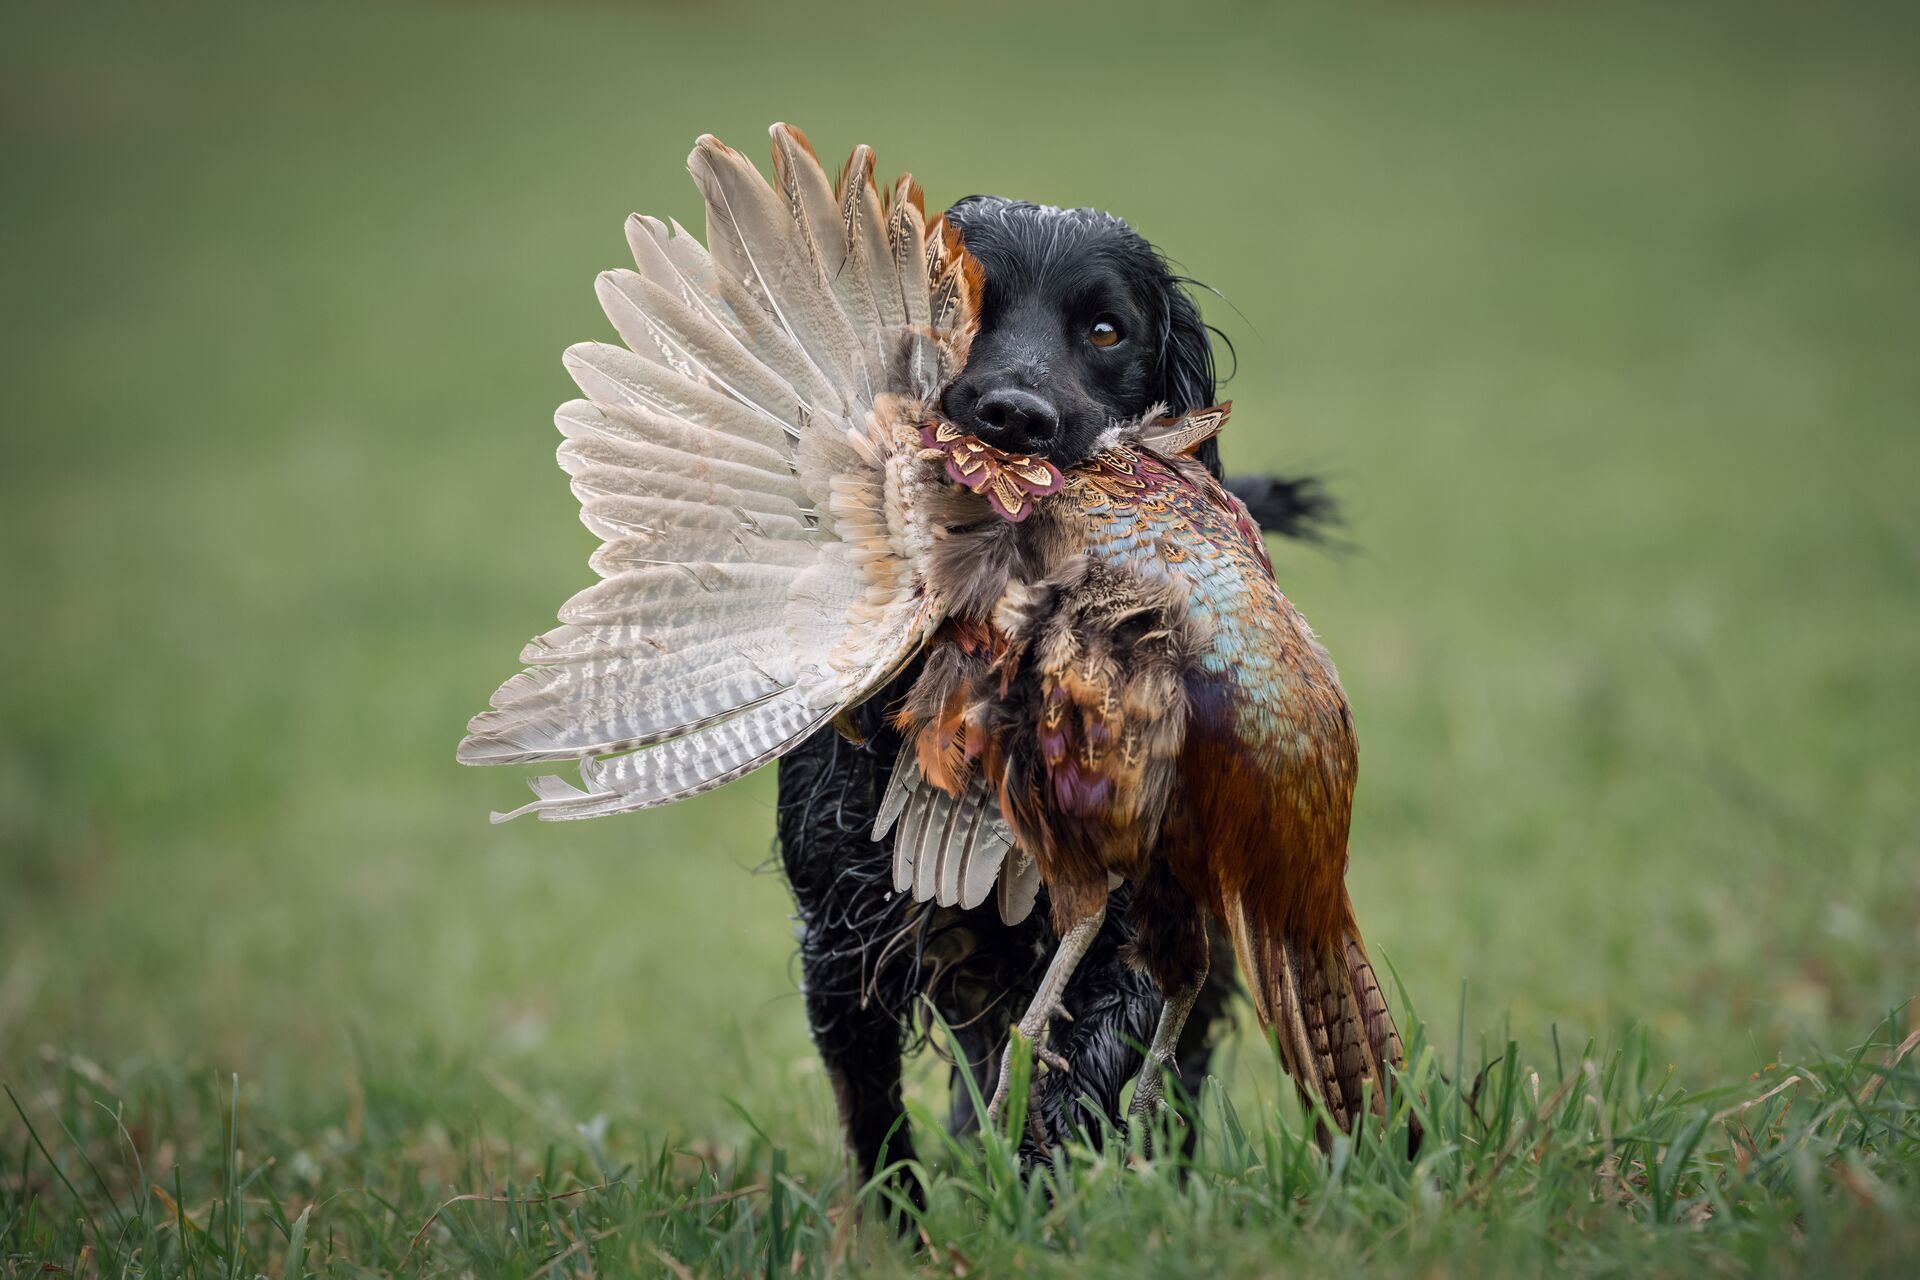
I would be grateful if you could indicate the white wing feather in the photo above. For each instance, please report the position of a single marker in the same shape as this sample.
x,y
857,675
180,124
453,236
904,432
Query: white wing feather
x,y
737,455
948,850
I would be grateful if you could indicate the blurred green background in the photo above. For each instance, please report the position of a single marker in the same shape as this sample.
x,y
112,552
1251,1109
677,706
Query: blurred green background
x,y
1604,321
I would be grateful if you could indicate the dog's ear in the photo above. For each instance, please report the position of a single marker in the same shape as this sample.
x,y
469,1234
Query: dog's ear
x,y
1186,355
1185,373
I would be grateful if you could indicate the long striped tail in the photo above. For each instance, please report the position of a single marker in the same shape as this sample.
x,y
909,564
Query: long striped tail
x,y
1324,1004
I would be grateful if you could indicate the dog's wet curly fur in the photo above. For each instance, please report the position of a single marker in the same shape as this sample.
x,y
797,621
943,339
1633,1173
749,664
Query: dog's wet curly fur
x,y
1082,324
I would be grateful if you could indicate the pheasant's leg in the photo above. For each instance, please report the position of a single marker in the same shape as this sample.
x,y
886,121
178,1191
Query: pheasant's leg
x,y
1209,1012
976,1000
1046,1002
1163,1053
1114,1008
1170,934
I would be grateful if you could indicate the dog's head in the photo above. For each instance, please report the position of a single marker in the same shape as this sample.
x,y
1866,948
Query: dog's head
x,y
1081,325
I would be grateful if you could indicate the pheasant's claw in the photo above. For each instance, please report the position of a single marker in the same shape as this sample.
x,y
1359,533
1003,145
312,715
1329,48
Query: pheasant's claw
x,y
999,1099
1047,1004
1037,1138
998,1102
1041,1053
1150,1090
1149,1098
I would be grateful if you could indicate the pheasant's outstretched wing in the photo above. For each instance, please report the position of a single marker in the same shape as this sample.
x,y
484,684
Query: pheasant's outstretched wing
x,y
745,458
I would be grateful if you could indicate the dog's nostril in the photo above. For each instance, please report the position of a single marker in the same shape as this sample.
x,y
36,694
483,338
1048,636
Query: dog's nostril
x,y
1014,419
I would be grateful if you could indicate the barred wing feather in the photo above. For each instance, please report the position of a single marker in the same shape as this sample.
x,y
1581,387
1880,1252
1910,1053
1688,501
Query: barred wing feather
x,y
948,849
741,457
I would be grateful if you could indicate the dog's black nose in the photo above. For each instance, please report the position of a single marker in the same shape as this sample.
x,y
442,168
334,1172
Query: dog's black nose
x,y
1015,420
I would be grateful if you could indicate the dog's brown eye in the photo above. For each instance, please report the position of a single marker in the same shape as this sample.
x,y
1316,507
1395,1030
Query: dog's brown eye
x,y
1103,333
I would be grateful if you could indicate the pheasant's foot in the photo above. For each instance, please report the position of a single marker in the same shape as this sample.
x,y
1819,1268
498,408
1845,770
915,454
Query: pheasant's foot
x,y
1044,1007
997,1103
1035,1036
1150,1089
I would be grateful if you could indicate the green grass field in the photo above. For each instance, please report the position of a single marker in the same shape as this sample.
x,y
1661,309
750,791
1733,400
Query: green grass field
x,y
1603,321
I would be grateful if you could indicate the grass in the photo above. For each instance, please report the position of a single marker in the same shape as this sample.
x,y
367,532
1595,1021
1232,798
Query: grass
x,y
1601,321
1600,1162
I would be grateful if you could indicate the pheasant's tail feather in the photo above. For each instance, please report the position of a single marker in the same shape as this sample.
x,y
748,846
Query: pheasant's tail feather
x,y
733,456
1382,1036
1325,1008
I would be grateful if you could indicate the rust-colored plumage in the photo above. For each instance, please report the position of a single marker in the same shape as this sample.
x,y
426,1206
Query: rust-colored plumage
x,y
1142,702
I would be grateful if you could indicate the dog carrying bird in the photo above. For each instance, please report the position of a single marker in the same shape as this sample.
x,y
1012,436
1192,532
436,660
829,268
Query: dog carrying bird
x,y
1111,687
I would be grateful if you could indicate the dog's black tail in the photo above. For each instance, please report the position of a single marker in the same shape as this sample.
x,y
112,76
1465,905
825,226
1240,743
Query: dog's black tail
x,y
1299,507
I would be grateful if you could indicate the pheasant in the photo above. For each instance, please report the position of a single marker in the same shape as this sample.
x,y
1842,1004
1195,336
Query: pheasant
x,y
1112,686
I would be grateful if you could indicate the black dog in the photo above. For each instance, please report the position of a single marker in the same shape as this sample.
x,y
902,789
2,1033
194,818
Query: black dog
x,y
1082,324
